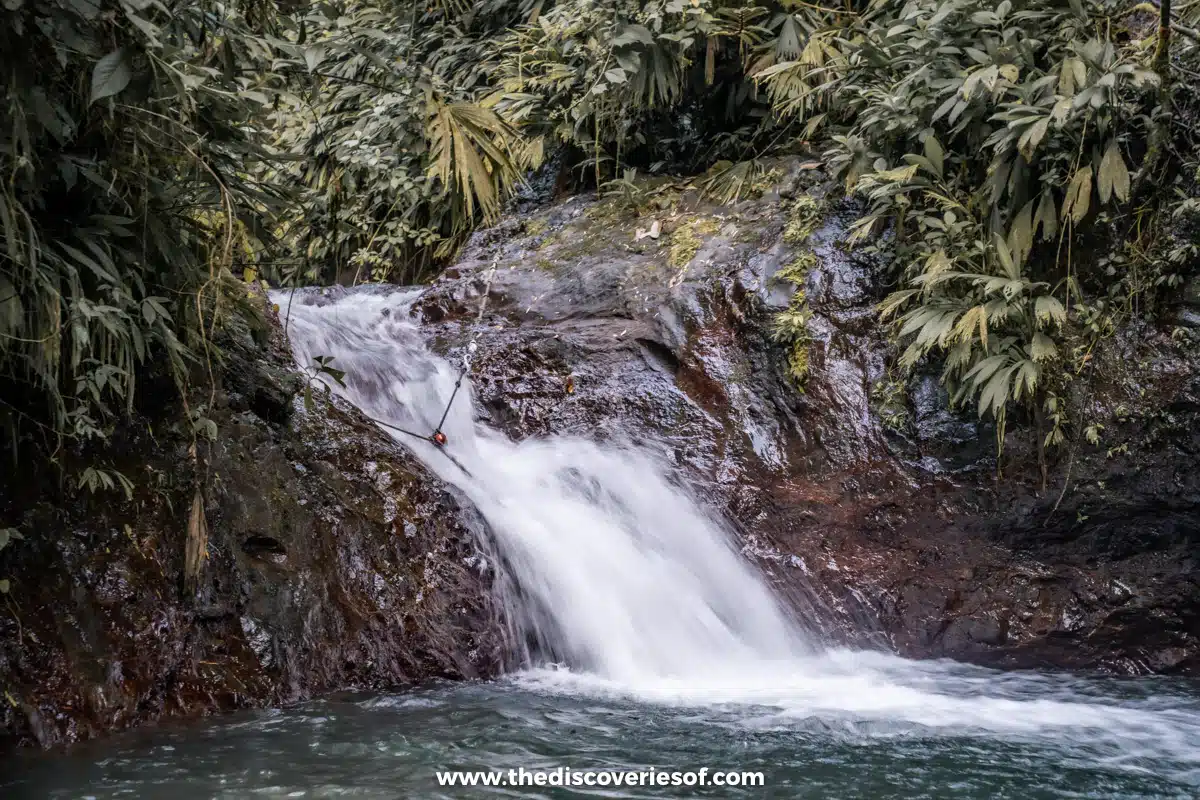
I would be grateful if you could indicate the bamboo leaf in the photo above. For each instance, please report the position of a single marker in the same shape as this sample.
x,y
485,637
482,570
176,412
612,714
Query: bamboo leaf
x,y
1047,216
997,392
1114,175
1061,111
1078,68
1006,258
1106,173
935,154
313,56
1033,137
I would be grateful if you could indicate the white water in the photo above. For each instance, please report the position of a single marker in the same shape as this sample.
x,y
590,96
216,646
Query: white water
x,y
636,592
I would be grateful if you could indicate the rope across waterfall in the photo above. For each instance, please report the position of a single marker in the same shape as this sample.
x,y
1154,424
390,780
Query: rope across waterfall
x,y
436,436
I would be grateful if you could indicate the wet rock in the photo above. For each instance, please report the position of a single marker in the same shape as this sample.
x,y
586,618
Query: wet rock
x,y
335,561
906,538
1186,314
948,440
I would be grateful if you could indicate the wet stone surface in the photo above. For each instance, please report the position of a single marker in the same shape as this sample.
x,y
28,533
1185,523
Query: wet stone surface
x,y
335,561
902,538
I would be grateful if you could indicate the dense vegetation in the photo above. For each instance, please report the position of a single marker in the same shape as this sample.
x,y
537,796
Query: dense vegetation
x,y
151,151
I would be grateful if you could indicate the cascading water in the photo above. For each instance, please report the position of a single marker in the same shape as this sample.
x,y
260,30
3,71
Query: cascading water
x,y
622,575
638,593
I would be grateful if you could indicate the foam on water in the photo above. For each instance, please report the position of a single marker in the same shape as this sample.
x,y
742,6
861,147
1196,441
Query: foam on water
x,y
629,588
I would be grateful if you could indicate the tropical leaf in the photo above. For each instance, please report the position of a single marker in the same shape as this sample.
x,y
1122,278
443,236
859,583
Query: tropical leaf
x,y
1047,309
1114,175
1011,269
1020,234
935,155
471,153
975,320
726,182
1042,347
1047,216
111,75
1079,195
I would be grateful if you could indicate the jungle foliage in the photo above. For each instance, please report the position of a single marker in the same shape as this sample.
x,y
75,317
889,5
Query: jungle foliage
x,y
990,141
152,151
128,139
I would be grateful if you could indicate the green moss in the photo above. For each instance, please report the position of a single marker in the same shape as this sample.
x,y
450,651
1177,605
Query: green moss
x,y
890,398
686,240
546,264
798,363
610,209
634,196
797,271
791,326
803,218
765,182
535,227
577,241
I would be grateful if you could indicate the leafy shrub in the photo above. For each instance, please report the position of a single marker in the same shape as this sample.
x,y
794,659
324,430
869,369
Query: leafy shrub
x,y
151,152
126,139
988,141
397,161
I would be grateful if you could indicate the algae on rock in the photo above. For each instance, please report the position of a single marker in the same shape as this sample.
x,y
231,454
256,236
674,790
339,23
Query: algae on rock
x,y
686,240
790,326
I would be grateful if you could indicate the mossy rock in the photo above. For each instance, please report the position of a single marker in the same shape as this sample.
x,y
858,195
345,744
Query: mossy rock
x,y
803,218
687,240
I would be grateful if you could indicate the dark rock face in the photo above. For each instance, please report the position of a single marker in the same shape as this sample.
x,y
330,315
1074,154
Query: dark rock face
x,y
897,536
335,561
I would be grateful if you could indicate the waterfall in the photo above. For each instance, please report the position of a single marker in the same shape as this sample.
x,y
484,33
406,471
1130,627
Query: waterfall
x,y
626,586
621,573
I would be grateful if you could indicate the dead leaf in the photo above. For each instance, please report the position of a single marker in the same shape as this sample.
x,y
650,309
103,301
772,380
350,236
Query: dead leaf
x,y
1079,195
196,547
1114,175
